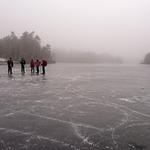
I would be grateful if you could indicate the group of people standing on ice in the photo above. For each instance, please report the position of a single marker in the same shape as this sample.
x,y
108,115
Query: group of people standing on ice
x,y
34,65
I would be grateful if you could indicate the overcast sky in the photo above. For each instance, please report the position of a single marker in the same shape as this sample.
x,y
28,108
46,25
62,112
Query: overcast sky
x,y
119,27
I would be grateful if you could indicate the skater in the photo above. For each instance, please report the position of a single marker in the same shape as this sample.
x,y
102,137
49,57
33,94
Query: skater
x,y
32,65
22,62
10,65
37,64
43,64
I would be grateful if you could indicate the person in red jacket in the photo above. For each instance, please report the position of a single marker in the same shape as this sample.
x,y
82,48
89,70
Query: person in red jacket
x,y
32,65
37,64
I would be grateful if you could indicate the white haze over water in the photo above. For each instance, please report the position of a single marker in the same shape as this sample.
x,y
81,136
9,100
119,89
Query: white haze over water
x,y
118,27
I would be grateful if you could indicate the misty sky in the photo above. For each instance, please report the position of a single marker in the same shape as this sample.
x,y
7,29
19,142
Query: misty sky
x,y
119,27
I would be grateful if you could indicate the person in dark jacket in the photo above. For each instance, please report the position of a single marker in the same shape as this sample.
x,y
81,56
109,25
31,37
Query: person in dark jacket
x,y
22,62
32,65
43,64
10,65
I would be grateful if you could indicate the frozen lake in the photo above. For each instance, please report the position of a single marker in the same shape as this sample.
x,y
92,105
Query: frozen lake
x,y
76,107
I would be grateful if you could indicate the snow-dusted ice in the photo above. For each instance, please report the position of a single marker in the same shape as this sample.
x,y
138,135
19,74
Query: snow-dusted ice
x,y
76,107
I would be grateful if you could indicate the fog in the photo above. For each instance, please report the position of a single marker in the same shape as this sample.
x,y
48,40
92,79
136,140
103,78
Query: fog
x,y
118,27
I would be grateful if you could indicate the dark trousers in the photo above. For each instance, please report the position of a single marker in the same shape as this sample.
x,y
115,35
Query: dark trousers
x,y
43,69
37,70
22,69
9,70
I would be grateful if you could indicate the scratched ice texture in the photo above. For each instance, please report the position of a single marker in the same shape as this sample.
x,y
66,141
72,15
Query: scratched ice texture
x,y
76,107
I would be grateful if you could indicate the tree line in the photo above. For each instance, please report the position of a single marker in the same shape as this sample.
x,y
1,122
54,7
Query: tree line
x,y
28,46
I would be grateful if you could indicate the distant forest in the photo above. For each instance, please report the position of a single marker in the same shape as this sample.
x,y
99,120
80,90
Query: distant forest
x,y
85,57
28,45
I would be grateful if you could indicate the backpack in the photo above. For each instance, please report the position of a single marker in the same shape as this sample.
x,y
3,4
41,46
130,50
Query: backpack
x,y
44,62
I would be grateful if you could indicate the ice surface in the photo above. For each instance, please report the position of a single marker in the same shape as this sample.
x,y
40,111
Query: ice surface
x,y
76,107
